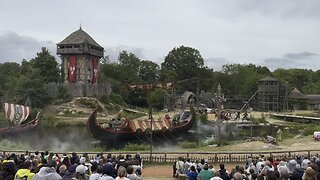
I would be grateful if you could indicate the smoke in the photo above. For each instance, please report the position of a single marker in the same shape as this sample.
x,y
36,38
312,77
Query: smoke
x,y
52,139
167,147
215,130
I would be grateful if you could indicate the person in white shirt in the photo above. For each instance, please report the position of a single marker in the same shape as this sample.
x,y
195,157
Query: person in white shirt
x,y
305,163
97,171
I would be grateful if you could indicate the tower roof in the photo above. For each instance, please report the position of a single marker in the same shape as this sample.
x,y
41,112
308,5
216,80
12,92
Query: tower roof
x,y
295,94
79,37
268,78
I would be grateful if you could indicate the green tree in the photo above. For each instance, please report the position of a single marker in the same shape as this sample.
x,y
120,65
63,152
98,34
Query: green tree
x,y
183,62
34,87
37,73
126,70
112,71
130,65
296,78
312,88
242,79
167,75
46,66
9,78
149,71
157,98
137,98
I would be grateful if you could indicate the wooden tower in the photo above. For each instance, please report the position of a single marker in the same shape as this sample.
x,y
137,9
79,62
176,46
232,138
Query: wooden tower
x,y
80,55
268,94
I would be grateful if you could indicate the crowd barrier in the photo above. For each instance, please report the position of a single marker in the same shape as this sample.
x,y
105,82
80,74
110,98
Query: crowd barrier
x,y
213,157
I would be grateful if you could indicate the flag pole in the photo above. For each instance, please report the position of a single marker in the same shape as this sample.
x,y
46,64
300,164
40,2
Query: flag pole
x,y
150,117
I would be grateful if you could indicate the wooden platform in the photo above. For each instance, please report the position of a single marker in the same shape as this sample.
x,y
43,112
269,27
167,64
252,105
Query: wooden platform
x,y
298,119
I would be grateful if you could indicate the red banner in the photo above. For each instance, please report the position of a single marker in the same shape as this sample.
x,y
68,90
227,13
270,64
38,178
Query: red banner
x,y
72,69
95,70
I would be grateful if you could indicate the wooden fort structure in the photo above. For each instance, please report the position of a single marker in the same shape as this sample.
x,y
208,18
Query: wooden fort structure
x,y
299,100
272,96
80,57
268,94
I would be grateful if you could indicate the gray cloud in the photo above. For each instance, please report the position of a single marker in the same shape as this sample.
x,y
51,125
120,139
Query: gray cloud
x,y
216,63
113,52
274,63
302,55
15,47
303,60
287,9
244,31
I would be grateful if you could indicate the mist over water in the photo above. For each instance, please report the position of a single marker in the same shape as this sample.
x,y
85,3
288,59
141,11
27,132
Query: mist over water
x,y
61,139
210,130
67,139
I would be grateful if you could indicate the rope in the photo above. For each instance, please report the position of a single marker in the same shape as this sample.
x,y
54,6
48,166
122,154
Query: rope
x,y
139,138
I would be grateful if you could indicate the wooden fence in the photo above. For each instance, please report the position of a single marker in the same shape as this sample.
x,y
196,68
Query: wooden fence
x,y
213,157
79,89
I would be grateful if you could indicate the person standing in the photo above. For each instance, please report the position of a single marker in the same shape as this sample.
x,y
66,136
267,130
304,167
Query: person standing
x,y
131,175
192,174
48,173
180,166
223,173
8,170
108,172
205,173
97,171
25,171
122,174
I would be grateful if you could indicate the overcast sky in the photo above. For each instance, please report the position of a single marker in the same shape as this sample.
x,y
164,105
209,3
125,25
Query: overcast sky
x,y
272,33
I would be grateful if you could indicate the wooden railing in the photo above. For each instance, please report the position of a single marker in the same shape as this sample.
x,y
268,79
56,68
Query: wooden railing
x,y
215,157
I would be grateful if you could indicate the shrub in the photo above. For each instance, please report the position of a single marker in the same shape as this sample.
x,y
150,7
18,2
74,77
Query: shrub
x,y
203,118
91,103
188,145
211,142
218,142
116,99
104,99
309,130
157,98
130,115
97,149
136,147
260,120
34,113
287,135
63,94
223,143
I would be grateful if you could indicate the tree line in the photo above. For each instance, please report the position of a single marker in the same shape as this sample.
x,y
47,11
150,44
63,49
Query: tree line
x,y
29,79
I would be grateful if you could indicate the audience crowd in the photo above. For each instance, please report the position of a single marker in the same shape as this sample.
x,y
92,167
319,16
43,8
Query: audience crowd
x,y
259,168
50,166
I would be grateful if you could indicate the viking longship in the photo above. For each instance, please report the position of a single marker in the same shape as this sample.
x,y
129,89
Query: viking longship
x,y
130,129
17,116
140,129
